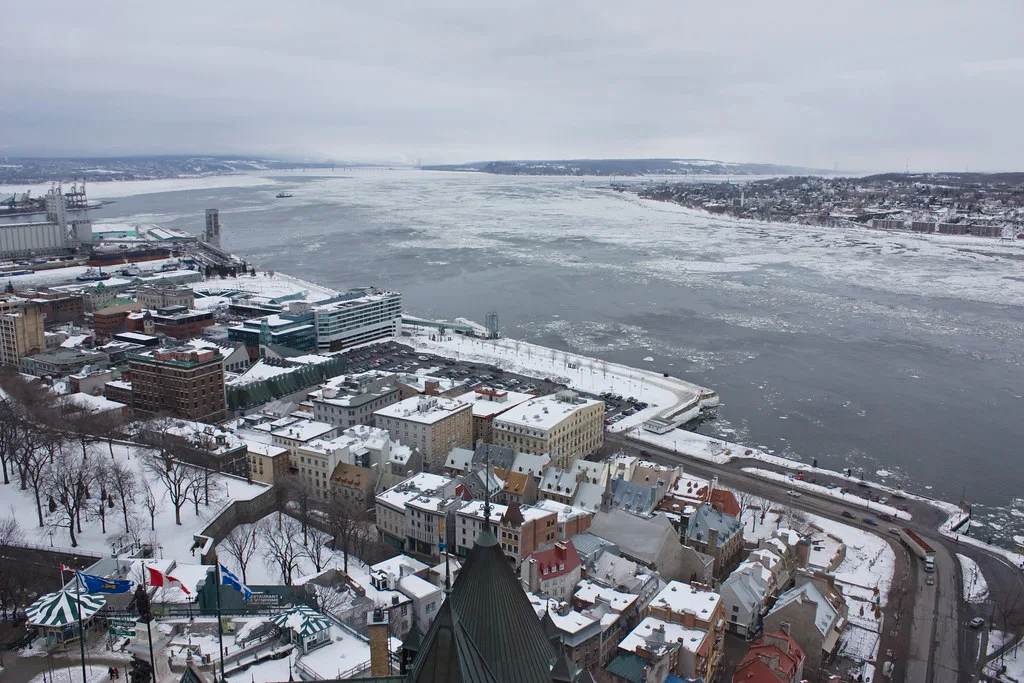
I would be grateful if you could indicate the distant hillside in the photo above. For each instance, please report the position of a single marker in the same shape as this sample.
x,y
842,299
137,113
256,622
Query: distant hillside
x,y
626,167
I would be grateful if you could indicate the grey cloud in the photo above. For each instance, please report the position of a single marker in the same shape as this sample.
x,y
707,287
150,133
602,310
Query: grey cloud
x,y
864,85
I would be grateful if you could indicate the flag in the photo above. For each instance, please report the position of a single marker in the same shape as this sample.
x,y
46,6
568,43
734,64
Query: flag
x,y
158,579
229,579
65,568
97,584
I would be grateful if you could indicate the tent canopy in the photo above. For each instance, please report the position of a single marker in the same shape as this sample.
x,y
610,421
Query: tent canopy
x,y
61,608
303,621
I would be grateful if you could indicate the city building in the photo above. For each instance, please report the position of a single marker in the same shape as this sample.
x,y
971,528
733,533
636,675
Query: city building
x,y
286,329
212,233
185,382
21,330
695,606
774,658
60,362
294,434
487,404
198,443
520,529
657,649
158,296
391,504
814,612
353,483
431,424
356,317
351,400
113,319
177,322
716,534
553,571
745,594
563,426
59,307
267,463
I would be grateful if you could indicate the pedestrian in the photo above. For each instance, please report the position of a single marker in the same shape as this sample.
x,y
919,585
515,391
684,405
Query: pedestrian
x,y
110,672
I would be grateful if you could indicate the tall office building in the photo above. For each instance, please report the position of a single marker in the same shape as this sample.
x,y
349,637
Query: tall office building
x,y
212,234
21,330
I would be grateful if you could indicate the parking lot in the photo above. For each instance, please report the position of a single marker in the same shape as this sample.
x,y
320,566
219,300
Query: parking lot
x,y
396,357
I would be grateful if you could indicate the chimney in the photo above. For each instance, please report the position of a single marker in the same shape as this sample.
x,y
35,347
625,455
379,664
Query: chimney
x,y
377,623
712,538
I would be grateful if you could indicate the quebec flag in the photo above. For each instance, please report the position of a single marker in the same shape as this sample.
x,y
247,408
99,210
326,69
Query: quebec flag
x,y
229,579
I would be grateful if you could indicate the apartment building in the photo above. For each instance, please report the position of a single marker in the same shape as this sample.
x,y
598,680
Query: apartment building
x,y
185,382
391,504
564,426
431,424
21,330
165,296
487,404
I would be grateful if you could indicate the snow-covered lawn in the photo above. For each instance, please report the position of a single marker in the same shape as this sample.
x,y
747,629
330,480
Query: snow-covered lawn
x,y
169,540
1012,660
975,586
262,569
268,284
590,375
795,483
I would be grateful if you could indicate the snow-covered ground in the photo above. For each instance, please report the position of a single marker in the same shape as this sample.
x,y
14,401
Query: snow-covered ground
x,y
262,570
585,374
975,586
1012,660
73,674
851,499
267,284
169,540
66,276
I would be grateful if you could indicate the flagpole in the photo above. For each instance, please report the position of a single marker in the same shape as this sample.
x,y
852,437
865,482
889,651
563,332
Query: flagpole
x,y
81,628
149,618
220,623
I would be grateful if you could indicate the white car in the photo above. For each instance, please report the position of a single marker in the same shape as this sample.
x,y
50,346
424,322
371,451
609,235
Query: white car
x,y
795,494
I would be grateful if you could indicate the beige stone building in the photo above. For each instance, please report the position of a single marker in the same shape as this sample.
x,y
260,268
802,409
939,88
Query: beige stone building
x,y
267,463
431,424
565,426
21,330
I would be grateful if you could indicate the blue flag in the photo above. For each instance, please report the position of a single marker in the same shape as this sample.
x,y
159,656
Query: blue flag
x,y
97,584
229,579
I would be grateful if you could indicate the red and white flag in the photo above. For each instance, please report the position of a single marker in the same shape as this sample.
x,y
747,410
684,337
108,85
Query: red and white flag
x,y
65,568
158,579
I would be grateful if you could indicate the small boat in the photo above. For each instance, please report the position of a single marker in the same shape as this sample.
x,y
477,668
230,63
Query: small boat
x,y
283,195
130,271
93,275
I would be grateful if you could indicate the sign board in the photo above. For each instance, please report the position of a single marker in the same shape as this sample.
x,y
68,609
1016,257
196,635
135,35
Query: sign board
x,y
121,626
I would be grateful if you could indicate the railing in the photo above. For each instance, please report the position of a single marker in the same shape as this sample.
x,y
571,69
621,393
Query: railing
x,y
58,549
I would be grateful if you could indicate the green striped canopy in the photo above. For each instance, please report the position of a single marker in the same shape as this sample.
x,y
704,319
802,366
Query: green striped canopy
x,y
61,608
303,621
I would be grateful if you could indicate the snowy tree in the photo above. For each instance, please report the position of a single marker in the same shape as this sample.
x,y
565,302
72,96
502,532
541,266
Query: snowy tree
x,y
32,462
151,503
242,543
284,548
317,548
301,496
124,486
8,438
346,519
68,479
175,475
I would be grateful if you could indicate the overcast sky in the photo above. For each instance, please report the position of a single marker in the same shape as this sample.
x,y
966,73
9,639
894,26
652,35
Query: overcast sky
x,y
861,85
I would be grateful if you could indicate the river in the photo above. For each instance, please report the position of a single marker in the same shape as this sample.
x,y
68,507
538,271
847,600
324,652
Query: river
x,y
898,354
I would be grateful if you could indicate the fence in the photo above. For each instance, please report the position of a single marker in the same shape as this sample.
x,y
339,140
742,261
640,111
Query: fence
x,y
58,549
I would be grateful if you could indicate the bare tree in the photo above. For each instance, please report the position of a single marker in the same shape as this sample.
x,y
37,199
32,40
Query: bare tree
x,y
345,519
101,475
764,505
32,466
317,548
150,502
242,544
8,437
67,481
283,547
12,568
1009,611
10,531
124,485
300,496
175,475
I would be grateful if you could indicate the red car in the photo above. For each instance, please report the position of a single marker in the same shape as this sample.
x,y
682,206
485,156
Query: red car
x,y
800,476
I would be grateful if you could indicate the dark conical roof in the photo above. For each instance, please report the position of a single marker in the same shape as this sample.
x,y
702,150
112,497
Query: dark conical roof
x,y
487,630
564,671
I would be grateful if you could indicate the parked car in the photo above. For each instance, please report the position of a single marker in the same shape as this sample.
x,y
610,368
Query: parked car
x,y
800,476
930,580
795,494
868,520
847,514
905,508
977,622
885,517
